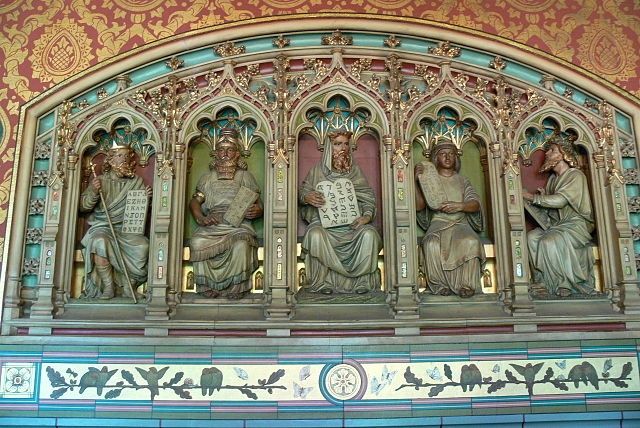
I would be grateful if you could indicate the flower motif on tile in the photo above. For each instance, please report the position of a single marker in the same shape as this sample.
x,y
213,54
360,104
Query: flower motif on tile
x,y
343,382
17,380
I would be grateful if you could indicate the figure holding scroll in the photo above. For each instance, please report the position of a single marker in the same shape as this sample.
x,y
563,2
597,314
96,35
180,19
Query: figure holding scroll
x,y
560,253
224,248
108,263
340,246
448,208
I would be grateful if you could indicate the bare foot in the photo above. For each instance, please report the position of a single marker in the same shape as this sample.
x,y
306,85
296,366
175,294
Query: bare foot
x,y
445,291
563,292
466,292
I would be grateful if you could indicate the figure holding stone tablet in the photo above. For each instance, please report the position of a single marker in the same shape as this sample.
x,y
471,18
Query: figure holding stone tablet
x,y
224,248
449,210
341,246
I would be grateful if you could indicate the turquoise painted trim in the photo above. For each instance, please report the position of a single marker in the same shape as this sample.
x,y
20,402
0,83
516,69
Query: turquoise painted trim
x,y
475,57
623,122
30,280
523,72
36,220
46,122
41,164
38,192
32,250
197,57
629,162
149,72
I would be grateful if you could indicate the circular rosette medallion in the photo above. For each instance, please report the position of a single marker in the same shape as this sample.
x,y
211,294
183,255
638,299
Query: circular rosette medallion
x,y
340,382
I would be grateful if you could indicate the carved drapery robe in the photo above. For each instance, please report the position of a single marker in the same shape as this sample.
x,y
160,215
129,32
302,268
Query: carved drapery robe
x,y
224,256
452,254
340,259
561,256
99,239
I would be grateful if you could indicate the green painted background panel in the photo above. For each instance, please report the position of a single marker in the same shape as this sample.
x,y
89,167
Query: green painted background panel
x,y
46,123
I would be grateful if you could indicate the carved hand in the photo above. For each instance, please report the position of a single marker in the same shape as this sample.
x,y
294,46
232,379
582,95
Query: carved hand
x,y
254,211
208,220
450,207
418,170
97,185
314,198
360,221
149,191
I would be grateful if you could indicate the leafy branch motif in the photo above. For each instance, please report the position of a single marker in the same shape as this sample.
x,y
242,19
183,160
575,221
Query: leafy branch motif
x,y
210,381
470,377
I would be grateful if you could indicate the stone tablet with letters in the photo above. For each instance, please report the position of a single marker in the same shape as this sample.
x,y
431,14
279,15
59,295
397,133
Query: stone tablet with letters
x,y
431,186
241,203
135,212
341,205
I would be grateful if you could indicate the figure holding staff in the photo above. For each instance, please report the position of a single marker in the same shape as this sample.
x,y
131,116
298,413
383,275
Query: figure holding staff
x,y
112,258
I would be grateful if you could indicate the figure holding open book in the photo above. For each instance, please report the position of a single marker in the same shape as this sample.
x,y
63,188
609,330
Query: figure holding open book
x,y
341,246
115,248
448,208
224,248
559,250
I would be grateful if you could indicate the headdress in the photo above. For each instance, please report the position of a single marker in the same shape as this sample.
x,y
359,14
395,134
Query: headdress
x,y
567,148
228,136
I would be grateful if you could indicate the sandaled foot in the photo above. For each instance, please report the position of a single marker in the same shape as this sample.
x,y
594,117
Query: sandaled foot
x,y
236,296
211,293
466,292
444,291
563,292
539,289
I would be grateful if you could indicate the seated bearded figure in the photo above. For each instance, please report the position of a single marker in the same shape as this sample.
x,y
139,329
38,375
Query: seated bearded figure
x,y
559,252
224,255
341,259
107,262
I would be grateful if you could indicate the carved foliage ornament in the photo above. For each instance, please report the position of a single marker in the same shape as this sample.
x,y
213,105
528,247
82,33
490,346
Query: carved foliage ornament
x,y
337,39
445,49
229,49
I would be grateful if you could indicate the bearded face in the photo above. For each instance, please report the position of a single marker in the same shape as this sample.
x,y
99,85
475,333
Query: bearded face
x,y
341,155
226,161
121,162
552,157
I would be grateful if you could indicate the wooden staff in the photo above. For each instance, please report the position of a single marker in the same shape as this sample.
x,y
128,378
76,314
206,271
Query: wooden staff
x,y
115,238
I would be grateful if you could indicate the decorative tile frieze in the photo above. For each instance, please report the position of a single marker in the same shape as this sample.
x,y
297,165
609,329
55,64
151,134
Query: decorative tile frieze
x,y
33,235
36,206
350,381
39,178
631,176
30,266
